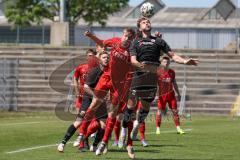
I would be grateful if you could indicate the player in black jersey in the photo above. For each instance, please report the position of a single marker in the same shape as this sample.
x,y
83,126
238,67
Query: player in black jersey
x,y
146,51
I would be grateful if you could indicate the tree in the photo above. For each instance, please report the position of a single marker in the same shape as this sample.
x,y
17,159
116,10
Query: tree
x,y
26,12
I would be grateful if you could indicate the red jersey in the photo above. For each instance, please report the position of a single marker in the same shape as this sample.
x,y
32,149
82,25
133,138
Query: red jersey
x,y
165,81
119,67
81,72
119,64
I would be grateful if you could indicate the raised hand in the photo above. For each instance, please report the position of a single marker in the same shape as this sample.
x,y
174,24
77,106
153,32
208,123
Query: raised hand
x,y
88,34
192,61
158,34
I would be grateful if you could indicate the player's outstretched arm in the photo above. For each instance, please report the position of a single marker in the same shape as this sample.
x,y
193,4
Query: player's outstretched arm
x,y
178,59
76,86
158,34
94,38
175,86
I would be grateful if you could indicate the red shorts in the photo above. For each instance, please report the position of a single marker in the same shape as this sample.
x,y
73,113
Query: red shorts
x,y
117,95
167,98
104,85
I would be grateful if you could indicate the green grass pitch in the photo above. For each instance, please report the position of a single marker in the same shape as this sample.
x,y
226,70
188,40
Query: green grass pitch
x,y
32,136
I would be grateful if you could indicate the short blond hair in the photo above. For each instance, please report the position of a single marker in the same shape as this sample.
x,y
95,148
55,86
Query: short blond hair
x,y
99,54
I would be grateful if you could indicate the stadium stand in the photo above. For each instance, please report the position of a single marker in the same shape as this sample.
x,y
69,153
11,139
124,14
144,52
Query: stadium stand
x,y
212,87
8,83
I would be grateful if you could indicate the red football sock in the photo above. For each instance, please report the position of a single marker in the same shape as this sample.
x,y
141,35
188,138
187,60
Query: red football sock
x,y
79,129
176,119
130,127
93,127
142,130
86,121
109,128
117,128
81,145
158,120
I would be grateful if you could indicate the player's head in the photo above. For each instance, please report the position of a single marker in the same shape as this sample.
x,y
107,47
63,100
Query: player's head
x,y
144,24
165,62
90,53
104,58
127,37
100,48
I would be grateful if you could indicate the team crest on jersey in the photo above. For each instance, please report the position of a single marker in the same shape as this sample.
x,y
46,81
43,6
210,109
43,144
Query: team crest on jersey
x,y
123,56
153,40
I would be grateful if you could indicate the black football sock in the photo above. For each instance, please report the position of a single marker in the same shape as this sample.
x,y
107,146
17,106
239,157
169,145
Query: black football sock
x,y
127,117
70,132
142,115
98,137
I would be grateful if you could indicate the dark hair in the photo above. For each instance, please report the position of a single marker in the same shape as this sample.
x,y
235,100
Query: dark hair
x,y
130,30
140,20
166,58
91,51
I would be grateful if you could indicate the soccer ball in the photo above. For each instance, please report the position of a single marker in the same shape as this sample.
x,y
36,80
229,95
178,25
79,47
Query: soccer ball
x,y
147,9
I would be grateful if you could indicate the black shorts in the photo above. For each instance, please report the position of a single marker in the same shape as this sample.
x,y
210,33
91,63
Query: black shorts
x,y
87,100
100,113
144,85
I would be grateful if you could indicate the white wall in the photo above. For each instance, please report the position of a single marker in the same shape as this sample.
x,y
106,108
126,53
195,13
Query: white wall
x,y
176,38
198,38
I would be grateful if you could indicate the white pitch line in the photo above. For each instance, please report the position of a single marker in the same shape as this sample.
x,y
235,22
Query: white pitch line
x,y
15,124
33,148
170,131
25,123
53,145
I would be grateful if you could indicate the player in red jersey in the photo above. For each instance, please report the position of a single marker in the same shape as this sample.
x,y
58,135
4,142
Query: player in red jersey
x,y
115,80
79,79
167,88
102,64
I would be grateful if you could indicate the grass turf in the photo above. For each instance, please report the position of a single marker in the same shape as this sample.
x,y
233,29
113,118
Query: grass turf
x,y
210,138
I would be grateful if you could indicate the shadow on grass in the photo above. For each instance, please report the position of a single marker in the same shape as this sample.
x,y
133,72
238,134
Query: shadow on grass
x,y
136,151
160,158
161,145
166,145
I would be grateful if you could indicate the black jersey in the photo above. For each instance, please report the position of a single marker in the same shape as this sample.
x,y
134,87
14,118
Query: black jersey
x,y
92,79
93,76
149,49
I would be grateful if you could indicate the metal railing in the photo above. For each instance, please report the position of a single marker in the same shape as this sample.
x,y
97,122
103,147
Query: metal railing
x,y
9,84
29,35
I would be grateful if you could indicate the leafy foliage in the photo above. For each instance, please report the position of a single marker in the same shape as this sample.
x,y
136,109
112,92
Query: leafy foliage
x,y
26,12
